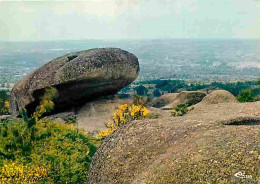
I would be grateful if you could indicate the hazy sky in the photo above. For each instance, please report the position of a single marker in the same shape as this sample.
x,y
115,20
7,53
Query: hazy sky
x,y
128,19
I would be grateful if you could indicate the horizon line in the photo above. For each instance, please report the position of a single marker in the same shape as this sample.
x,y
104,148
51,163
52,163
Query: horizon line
x,y
127,39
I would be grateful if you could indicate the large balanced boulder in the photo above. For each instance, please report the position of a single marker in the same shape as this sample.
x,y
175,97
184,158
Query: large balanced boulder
x,y
214,143
79,77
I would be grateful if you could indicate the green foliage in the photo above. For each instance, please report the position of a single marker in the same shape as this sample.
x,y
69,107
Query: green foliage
x,y
123,96
141,90
46,106
125,89
4,95
138,100
67,150
245,96
170,85
71,119
174,85
181,110
61,149
4,103
154,116
46,103
255,91
156,93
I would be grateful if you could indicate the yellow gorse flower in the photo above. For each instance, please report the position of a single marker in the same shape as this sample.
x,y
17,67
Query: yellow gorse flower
x,y
122,115
45,106
16,173
7,105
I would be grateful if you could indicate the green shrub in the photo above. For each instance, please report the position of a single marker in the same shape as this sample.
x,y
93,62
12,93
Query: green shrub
x,y
181,110
4,103
64,148
141,90
153,116
138,100
63,152
157,93
245,96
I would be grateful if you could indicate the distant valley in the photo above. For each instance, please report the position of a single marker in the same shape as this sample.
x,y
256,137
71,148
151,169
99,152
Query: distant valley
x,y
187,59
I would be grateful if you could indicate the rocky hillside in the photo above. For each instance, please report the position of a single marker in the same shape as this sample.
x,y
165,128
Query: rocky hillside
x,y
217,142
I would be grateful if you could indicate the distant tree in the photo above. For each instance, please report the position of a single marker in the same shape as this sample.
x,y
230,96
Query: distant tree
x,y
245,96
4,95
164,85
255,91
170,86
141,90
125,89
258,82
156,93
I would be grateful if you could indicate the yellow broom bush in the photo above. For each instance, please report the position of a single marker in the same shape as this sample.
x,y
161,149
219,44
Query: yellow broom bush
x,y
124,114
4,107
17,173
35,150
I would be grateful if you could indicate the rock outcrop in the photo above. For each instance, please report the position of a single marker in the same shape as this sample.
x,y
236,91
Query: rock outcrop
x,y
211,143
219,96
164,100
171,100
79,77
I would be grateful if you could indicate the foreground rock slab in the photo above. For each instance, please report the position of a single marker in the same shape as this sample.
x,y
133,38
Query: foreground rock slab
x,y
211,144
79,77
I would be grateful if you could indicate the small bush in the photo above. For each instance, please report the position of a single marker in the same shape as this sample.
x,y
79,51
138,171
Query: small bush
x,y
181,110
141,90
154,116
124,114
245,96
5,107
4,103
138,100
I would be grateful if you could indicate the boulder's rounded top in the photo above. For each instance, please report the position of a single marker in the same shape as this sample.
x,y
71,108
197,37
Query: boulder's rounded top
x,y
219,96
